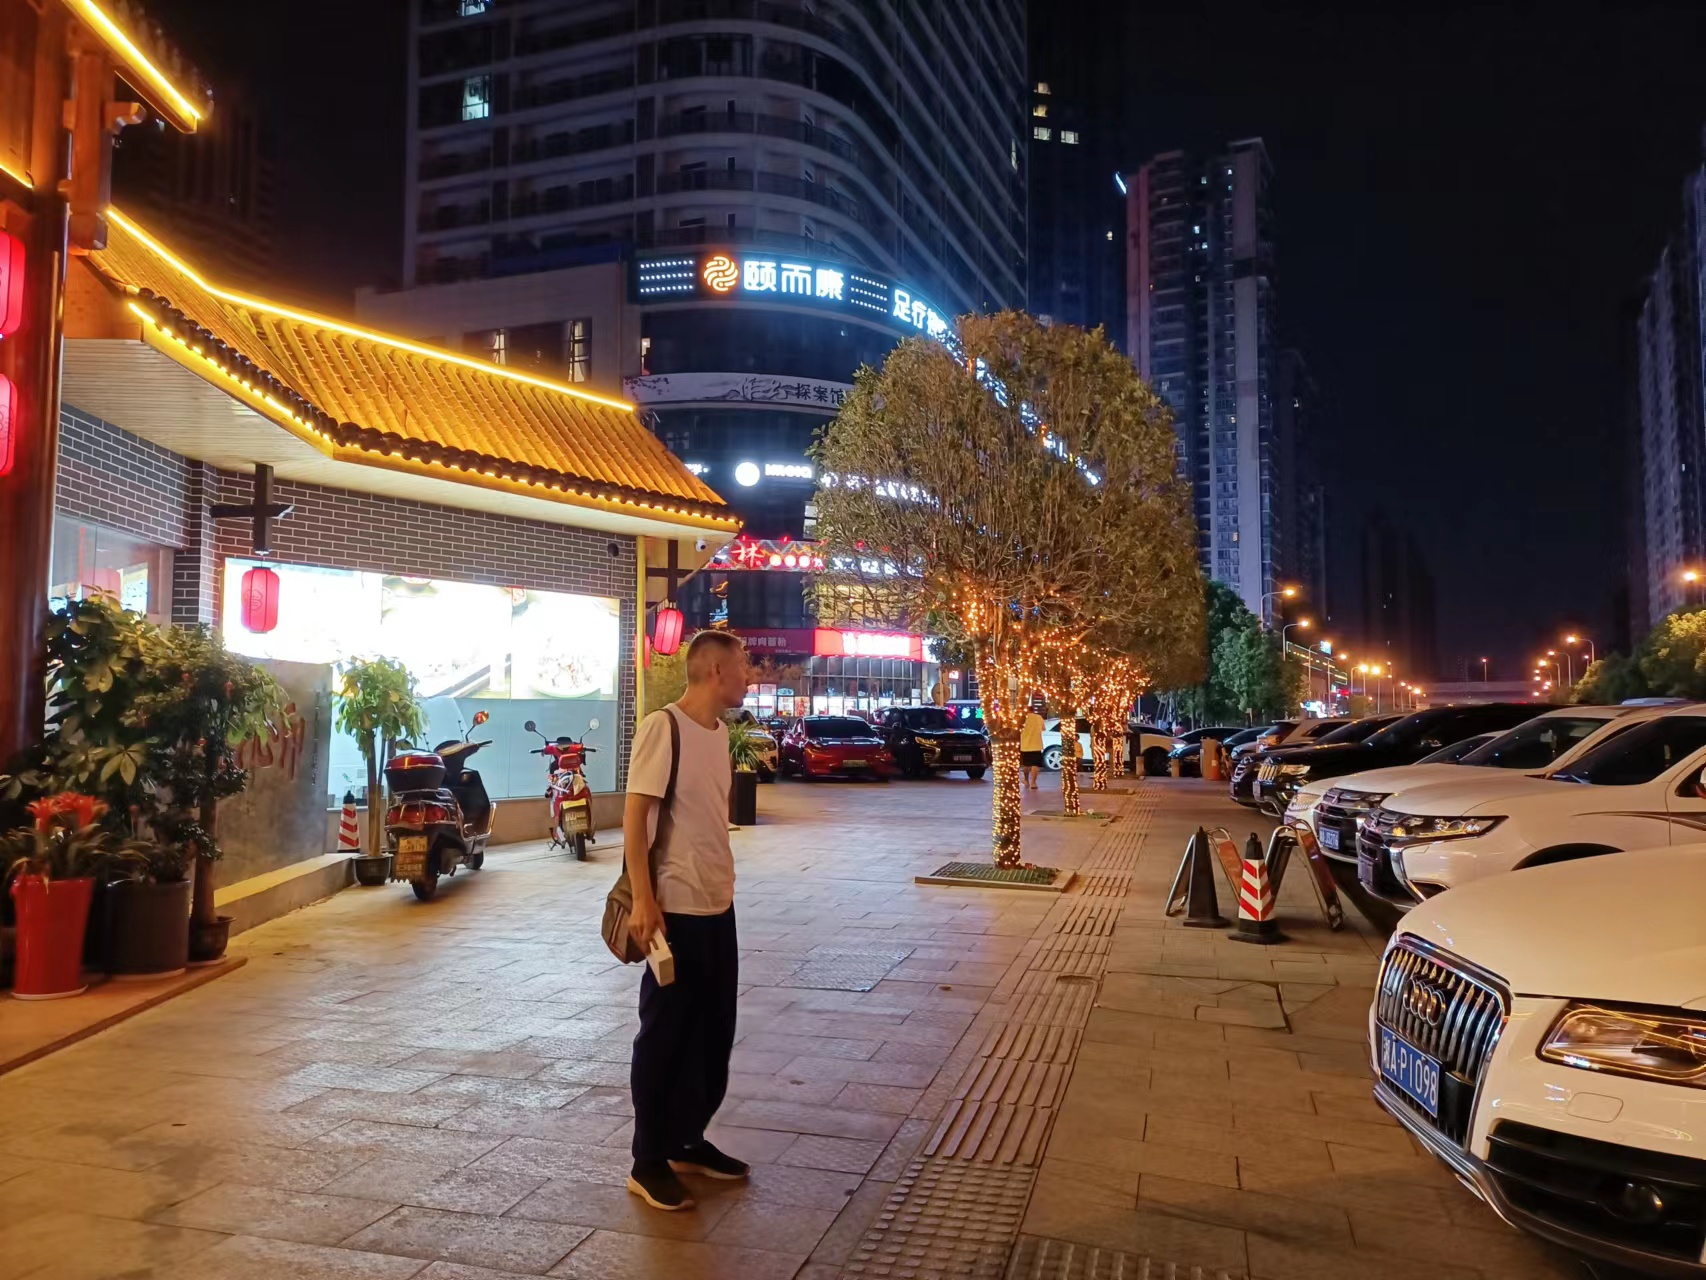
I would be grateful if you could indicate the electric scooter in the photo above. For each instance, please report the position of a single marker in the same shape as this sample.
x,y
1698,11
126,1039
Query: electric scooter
x,y
440,817
570,797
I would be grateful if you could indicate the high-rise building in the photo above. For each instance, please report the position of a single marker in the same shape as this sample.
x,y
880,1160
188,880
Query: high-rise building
x,y
214,188
1200,327
1076,218
730,206
1670,354
1299,493
1399,623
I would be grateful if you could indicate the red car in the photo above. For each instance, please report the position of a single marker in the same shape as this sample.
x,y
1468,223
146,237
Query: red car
x,y
835,746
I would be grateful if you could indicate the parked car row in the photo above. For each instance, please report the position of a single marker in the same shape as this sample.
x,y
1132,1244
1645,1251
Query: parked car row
x,y
1539,1020
911,742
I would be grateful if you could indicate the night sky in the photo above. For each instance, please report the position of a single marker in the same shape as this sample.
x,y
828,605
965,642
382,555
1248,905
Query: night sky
x,y
1468,197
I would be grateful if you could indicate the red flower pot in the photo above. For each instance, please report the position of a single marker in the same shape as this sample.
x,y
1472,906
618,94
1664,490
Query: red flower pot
x,y
52,916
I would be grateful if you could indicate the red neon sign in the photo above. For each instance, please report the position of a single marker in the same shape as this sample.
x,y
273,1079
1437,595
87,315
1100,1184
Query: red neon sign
x,y
11,284
830,643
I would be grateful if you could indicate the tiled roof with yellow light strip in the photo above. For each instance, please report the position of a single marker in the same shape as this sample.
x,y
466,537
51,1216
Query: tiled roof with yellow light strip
x,y
404,403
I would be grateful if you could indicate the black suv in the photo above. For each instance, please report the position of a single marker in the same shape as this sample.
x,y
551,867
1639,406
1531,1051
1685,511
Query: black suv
x,y
926,740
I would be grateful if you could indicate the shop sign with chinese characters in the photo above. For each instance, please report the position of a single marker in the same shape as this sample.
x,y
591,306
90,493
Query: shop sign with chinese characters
x,y
729,273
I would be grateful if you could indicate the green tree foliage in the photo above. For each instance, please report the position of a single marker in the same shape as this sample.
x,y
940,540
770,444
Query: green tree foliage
x,y
1612,679
377,707
1023,486
666,679
1246,675
1672,659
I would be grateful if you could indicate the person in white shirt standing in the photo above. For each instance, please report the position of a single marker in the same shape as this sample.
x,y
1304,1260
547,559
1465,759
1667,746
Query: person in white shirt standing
x,y
681,1055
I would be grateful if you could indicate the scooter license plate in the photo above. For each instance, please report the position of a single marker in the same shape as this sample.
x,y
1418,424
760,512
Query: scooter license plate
x,y
577,819
409,862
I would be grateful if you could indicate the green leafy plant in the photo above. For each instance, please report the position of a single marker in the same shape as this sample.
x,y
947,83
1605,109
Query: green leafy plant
x,y
744,740
666,679
377,707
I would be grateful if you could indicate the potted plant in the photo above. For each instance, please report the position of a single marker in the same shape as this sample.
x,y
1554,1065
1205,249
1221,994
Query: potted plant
x,y
52,867
743,784
377,707
204,704
149,913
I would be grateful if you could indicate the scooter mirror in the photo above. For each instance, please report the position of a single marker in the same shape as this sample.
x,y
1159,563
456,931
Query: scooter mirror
x,y
529,727
480,718
591,725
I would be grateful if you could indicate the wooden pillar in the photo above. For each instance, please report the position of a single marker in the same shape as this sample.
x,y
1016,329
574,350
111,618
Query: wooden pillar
x,y
30,358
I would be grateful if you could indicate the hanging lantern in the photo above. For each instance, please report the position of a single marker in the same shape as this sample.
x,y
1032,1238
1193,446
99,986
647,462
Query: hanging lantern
x,y
11,284
259,594
8,419
666,631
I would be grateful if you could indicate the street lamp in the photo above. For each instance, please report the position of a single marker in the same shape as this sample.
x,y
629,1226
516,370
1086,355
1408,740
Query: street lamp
x,y
1285,593
1690,577
1301,622
1483,671
1593,654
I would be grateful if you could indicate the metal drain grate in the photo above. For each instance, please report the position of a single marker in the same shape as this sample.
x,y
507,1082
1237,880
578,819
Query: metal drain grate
x,y
1036,1258
996,875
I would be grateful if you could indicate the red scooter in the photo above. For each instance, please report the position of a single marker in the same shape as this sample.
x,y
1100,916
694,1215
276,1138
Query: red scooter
x,y
570,797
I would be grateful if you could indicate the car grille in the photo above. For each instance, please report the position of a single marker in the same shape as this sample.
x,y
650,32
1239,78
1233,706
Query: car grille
x,y
1244,775
1343,811
1268,771
1461,1039
1647,1200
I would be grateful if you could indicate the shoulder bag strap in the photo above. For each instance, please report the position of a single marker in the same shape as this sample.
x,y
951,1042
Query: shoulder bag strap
x,y
674,756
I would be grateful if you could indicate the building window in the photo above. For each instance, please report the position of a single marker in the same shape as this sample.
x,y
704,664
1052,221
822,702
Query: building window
x,y
1042,133
468,8
497,346
1042,86
1069,137
578,335
1040,111
476,97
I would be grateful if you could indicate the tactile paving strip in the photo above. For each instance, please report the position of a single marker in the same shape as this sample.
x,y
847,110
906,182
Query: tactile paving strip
x,y
1074,953
946,1218
1036,1258
1085,915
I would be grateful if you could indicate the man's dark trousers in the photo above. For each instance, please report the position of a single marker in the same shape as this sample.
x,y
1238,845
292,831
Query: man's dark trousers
x,y
687,1030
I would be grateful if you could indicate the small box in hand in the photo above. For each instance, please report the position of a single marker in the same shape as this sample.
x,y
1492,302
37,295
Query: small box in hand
x,y
661,959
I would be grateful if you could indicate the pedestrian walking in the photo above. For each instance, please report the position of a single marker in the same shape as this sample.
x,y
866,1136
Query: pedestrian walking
x,y
676,841
1031,748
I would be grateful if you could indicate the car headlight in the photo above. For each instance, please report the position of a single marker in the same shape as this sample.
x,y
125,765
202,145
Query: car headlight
x,y
1423,827
1294,771
1648,1044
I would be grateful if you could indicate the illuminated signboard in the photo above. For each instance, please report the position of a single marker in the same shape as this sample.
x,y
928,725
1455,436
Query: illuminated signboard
x,y
760,554
729,273
831,642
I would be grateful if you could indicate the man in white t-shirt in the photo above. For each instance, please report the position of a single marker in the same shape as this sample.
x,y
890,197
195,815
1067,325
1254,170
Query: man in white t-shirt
x,y
687,1029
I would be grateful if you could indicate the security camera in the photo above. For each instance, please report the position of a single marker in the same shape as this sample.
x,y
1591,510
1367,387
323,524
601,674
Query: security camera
x,y
701,545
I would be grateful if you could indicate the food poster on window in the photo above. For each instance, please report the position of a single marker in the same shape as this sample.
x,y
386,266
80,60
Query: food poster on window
x,y
564,646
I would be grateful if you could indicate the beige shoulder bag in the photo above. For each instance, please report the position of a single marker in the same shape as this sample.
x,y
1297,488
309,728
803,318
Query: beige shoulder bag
x,y
619,905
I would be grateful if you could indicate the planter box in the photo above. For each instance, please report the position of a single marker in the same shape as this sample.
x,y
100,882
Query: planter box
x,y
743,799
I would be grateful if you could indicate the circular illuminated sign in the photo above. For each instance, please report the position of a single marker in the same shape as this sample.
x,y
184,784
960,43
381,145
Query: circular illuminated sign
x,y
747,472
721,274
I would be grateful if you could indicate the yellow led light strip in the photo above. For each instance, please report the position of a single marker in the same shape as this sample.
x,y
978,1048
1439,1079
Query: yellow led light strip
x,y
268,407
485,367
135,61
23,179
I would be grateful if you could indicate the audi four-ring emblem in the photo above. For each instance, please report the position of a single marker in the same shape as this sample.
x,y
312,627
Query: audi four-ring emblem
x,y
1424,1002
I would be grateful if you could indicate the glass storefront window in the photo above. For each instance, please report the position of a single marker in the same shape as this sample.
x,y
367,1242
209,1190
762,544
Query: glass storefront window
x,y
520,655
90,559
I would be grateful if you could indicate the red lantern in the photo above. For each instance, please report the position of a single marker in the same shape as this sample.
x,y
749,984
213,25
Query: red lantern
x,y
666,631
11,284
8,416
260,599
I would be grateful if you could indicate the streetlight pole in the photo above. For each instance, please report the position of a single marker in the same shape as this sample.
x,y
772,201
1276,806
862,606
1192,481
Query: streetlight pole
x,y
1593,654
1286,593
1483,671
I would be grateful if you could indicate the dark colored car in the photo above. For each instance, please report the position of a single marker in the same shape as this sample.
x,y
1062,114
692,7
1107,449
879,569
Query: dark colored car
x,y
1249,761
1274,789
926,740
1409,741
1189,750
835,747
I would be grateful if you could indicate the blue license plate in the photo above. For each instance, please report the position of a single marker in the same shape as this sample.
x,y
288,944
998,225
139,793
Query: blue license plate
x,y
1329,838
1410,1071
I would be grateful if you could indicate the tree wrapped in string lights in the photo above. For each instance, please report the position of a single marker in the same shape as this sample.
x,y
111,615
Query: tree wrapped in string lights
x,y
1020,483
1069,802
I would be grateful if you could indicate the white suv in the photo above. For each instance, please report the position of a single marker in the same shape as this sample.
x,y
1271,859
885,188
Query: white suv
x,y
1638,788
1545,1036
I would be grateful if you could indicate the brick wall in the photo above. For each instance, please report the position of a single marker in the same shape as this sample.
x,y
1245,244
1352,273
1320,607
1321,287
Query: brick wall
x,y
113,478
110,477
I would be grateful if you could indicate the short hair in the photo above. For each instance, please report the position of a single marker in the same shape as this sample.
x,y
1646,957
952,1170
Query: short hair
x,y
707,647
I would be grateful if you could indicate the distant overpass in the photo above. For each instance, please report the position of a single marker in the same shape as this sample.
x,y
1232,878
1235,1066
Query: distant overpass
x,y
1439,692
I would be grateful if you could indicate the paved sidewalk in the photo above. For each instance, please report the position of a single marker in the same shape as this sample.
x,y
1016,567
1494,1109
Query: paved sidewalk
x,y
395,1089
